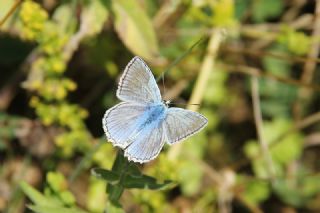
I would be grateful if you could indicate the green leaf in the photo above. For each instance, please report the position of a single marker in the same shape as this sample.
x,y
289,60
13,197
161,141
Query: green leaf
x,y
224,13
54,209
241,7
255,191
134,170
37,197
111,207
146,182
290,38
265,9
190,177
110,176
96,196
119,163
289,194
274,65
115,192
135,28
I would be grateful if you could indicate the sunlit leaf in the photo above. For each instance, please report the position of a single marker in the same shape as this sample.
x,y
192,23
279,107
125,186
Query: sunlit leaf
x,y
94,16
109,176
135,28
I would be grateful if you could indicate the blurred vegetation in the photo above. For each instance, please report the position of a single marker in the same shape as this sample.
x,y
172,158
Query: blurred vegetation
x,y
255,74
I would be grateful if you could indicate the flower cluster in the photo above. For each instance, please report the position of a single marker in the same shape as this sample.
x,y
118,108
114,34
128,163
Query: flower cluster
x,y
47,82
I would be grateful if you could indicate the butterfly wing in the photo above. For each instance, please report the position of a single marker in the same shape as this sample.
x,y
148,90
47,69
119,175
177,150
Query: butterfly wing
x,y
181,123
137,83
147,145
120,121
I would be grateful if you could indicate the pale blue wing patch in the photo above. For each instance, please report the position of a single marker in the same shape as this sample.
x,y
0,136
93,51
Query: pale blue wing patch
x,y
120,121
147,145
181,123
137,84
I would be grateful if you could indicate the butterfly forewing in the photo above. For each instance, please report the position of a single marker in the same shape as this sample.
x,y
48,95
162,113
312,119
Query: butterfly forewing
x,y
181,123
137,84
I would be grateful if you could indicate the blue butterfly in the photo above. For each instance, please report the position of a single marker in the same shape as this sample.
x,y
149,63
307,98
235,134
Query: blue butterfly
x,y
143,122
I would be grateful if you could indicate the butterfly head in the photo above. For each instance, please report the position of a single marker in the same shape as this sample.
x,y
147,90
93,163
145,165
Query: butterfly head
x,y
166,102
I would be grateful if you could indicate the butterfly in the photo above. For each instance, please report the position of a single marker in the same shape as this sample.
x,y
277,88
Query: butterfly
x,y
142,123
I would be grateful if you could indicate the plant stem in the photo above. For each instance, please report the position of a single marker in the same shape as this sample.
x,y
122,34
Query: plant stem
x,y
198,92
10,12
259,125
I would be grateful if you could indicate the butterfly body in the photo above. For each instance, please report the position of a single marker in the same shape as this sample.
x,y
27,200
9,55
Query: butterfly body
x,y
153,115
152,118
142,123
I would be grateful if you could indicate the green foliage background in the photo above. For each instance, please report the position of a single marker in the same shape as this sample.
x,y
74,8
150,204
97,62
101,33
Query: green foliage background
x,y
60,63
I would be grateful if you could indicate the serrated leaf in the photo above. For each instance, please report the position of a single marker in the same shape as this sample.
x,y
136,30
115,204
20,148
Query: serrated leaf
x,y
107,175
54,209
114,193
119,162
146,182
135,28
134,170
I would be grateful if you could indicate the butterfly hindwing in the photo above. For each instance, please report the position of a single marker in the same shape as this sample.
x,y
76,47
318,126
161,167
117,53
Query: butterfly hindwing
x,y
147,145
181,123
137,83
119,122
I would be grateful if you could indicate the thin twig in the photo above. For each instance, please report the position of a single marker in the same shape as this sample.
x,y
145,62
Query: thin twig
x,y
259,125
201,83
258,53
309,67
177,60
265,74
10,12
206,69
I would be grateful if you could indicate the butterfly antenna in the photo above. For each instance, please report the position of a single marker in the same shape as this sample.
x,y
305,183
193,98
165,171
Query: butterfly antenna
x,y
177,60
164,86
177,103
